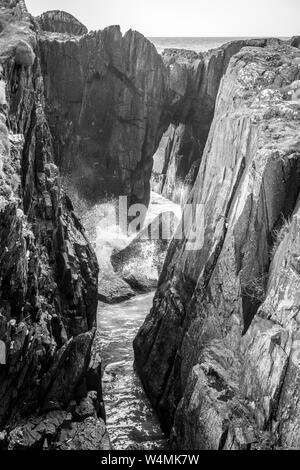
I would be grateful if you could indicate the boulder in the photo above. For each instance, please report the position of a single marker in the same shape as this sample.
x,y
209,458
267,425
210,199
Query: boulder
x,y
87,407
58,21
141,262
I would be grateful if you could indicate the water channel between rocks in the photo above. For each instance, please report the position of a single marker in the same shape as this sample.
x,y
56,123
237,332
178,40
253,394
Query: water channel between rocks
x,y
131,421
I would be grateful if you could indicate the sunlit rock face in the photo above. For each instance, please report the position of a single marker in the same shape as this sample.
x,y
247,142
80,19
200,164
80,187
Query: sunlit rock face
x,y
110,98
48,270
105,97
218,354
172,163
193,85
295,41
57,21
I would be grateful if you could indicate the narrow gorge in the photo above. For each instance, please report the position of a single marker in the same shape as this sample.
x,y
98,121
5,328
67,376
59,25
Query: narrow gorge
x,y
88,119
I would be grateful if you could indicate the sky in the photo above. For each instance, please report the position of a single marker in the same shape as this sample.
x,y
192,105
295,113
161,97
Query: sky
x,y
183,17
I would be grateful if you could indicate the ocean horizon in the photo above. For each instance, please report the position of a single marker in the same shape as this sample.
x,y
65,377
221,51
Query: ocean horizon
x,y
197,44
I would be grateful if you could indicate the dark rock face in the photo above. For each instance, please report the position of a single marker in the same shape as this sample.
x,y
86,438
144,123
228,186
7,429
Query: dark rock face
x,y
109,98
91,434
218,352
57,21
48,270
114,290
100,90
140,264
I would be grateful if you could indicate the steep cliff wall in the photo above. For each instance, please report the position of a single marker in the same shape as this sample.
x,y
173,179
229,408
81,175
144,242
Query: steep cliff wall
x,y
109,99
193,85
105,98
48,270
217,377
57,21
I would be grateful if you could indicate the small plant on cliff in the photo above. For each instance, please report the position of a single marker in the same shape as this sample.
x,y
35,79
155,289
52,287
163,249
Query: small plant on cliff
x,y
279,234
255,289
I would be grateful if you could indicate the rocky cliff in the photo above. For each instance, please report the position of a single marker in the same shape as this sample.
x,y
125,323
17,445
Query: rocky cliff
x,y
105,97
193,82
48,270
219,353
57,21
109,99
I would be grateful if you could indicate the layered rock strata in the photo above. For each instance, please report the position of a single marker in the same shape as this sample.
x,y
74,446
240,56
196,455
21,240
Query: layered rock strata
x,y
57,21
193,84
218,353
105,98
48,270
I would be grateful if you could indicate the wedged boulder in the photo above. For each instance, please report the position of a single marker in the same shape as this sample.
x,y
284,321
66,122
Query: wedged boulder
x,y
140,264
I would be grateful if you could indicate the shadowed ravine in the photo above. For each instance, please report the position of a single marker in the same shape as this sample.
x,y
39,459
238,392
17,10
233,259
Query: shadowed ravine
x,y
130,417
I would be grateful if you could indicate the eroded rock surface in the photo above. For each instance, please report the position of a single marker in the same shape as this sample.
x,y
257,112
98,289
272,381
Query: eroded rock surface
x,y
48,270
172,163
58,21
193,83
218,352
105,98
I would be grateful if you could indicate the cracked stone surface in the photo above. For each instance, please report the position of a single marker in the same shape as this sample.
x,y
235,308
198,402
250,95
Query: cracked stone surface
x,y
218,354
